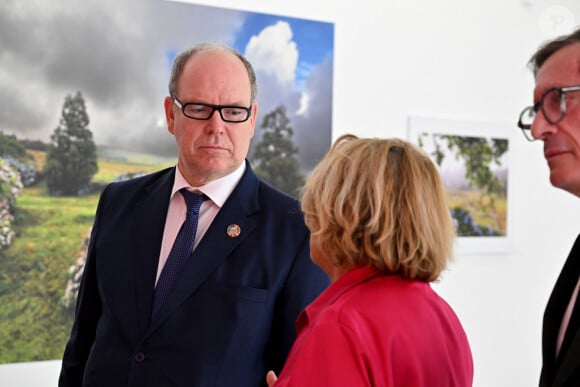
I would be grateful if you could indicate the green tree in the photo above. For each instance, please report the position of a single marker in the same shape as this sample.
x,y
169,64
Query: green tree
x,y
71,160
11,146
34,145
274,157
478,154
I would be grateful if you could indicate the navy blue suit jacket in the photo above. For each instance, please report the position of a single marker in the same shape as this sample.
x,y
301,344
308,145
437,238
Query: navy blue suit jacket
x,y
231,315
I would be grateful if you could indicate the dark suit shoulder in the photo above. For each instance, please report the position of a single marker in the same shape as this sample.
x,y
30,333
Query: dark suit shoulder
x,y
117,195
278,202
576,247
257,195
571,270
276,195
145,182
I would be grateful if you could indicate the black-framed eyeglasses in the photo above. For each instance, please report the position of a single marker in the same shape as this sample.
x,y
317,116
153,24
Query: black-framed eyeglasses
x,y
553,106
203,111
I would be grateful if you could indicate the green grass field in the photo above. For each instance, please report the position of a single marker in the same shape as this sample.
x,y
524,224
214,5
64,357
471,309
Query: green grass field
x,y
34,269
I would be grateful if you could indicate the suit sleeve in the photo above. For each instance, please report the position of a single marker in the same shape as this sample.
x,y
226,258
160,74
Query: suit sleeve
x,y
87,313
304,283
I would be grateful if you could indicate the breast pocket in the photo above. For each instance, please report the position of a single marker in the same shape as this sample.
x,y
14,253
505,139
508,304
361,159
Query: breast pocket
x,y
249,294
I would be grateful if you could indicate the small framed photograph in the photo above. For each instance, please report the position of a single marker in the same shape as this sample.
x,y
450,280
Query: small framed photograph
x,y
473,160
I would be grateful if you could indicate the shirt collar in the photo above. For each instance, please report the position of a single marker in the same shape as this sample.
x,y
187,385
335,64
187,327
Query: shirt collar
x,y
347,281
217,190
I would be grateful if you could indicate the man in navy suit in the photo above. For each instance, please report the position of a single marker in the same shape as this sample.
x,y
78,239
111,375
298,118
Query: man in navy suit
x,y
555,119
230,314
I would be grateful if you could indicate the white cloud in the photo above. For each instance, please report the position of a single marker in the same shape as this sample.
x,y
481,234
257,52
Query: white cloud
x,y
304,102
273,52
114,52
118,54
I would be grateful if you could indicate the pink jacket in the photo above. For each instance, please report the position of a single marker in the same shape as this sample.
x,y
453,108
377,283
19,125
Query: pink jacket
x,y
367,329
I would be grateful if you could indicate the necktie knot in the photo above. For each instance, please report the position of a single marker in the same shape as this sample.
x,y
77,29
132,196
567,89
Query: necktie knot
x,y
192,200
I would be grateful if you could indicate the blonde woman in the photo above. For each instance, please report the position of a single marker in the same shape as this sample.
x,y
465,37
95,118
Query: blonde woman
x,y
381,230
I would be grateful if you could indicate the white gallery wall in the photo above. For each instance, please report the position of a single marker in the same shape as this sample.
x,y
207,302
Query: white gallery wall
x,y
457,60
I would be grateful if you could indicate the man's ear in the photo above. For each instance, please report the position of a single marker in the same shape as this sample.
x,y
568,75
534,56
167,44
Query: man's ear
x,y
169,113
253,117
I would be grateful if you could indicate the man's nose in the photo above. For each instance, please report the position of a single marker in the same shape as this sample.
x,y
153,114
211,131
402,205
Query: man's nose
x,y
215,124
541,128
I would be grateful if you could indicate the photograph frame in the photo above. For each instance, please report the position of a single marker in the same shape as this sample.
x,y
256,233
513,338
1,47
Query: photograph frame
x,y
43,263
418,127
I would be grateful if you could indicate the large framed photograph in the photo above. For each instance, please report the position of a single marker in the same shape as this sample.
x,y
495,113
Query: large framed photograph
x,y
473,160
109,64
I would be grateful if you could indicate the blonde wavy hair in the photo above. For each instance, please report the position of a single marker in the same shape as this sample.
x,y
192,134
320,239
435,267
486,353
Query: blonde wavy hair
x,y
380,202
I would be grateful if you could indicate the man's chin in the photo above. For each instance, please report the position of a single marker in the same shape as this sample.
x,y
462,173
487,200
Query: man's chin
x,y
567,183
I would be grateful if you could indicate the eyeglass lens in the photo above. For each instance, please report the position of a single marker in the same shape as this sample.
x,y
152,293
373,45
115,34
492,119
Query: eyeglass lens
x,y
552,106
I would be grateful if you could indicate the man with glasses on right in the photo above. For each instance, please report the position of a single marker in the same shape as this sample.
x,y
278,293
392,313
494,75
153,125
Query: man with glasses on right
x,y
555,119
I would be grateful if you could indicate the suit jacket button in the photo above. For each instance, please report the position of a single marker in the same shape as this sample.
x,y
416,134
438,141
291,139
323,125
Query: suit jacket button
x,y
139,357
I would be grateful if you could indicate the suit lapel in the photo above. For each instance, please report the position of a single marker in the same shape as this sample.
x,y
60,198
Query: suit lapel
x,y
147,236
216,245
570,363
570,360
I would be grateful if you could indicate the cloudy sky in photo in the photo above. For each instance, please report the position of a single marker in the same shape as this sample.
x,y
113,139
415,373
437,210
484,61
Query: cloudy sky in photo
x,y
118,54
